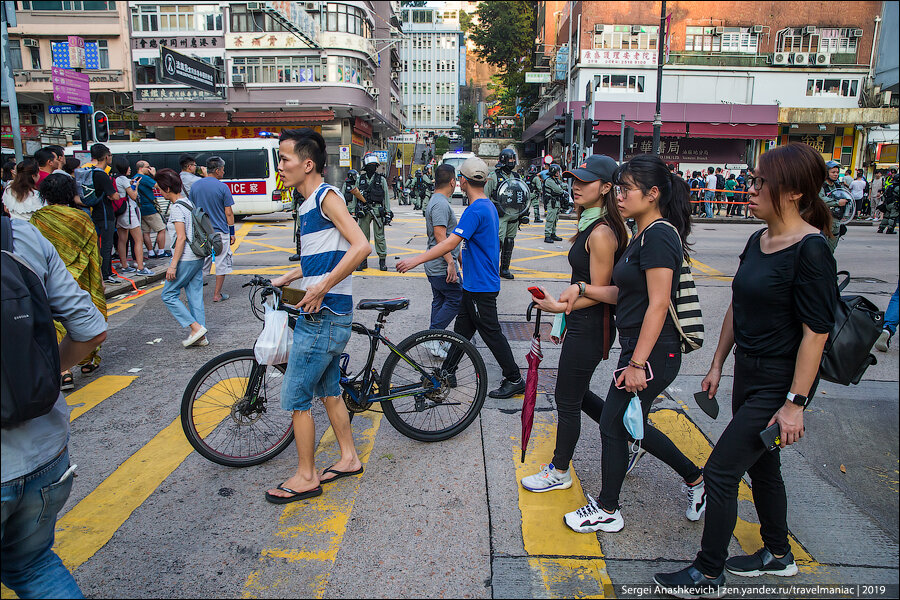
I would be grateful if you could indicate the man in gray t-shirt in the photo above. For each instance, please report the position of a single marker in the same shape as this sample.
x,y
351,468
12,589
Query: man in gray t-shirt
x,y
442,272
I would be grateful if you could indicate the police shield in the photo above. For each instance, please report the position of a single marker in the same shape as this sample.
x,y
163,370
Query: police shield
x,y
843,214
513,198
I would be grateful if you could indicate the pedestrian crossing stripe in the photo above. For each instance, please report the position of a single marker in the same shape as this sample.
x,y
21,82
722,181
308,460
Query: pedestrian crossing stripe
x,y
82,400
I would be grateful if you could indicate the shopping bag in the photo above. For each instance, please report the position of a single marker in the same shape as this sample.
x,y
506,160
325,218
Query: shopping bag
x,y
273,346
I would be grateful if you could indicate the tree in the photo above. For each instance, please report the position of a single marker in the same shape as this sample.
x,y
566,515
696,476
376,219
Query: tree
x,y
467,117
465,21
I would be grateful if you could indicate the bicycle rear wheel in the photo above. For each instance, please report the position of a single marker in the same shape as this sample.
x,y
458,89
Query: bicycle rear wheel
x,y
231,411
434,413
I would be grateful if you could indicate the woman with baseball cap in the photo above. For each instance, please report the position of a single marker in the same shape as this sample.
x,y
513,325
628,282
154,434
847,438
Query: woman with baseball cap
x,y
590,326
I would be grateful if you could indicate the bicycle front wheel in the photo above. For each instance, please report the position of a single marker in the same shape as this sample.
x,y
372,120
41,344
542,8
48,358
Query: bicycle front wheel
x,y
231,411
430,413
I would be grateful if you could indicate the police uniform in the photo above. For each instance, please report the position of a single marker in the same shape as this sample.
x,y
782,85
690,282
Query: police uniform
x,y
890,196
419,188
349,198
509,224
371,214
825,194
553,197
537,191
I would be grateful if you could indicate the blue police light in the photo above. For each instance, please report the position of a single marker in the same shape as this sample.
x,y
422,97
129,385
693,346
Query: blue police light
x,y
267,134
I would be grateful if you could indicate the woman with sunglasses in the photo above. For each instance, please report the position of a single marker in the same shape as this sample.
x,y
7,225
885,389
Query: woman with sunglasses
x,y
782,309
646,278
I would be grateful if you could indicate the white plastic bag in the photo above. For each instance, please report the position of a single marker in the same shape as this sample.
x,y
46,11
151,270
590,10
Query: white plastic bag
x,y
274,343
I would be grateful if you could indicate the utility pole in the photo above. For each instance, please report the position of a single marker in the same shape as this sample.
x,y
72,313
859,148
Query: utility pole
x,y
8,19
622,141
660,59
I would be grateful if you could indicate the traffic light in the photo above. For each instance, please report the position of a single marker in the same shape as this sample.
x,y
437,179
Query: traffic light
x,y
629,137
563,129
590,134
101,127
399,154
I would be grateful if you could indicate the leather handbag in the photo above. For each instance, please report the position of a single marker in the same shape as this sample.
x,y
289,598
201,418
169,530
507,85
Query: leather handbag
x,y
857,325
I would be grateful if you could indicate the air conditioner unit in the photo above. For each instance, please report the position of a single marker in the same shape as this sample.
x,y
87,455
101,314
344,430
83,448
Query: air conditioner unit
x,y
255,5
30,43
312,6
635,29
720,30
598,28
809,30
801,58
781,58
856,33
822,59
237,80
757,29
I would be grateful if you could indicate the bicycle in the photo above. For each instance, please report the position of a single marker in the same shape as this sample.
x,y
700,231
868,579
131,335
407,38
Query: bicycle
x,y
427,397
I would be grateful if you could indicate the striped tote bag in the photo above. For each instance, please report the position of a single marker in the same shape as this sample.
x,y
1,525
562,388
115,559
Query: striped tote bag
x,y
685,309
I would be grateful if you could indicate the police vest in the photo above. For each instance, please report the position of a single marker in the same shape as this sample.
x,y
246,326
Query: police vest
x,y
372,189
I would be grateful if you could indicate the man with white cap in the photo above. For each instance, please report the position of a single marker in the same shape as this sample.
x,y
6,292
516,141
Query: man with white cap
x,y
479,227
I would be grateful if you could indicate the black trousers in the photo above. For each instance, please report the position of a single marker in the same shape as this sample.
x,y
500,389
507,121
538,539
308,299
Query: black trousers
x,y
760,388
478,313
582,351
665,361
105,231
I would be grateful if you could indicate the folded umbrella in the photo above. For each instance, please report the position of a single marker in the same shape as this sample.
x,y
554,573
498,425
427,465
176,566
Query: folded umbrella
x,y
534,358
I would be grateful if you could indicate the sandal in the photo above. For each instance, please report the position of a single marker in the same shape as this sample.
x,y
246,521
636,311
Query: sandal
x,y
89,368
68,381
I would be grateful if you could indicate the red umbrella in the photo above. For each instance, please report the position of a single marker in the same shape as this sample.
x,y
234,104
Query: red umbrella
x,y
534,358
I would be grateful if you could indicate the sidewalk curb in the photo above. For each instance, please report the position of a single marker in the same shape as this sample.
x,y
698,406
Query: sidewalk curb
x,y
112,290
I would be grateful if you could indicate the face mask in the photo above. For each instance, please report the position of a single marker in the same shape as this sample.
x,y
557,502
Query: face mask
x,y
370,169
634,419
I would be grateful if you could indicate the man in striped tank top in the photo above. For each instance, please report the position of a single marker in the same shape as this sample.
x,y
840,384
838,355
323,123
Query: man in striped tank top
x,y
331,245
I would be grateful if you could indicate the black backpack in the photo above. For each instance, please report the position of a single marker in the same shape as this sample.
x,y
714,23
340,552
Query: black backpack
x,y
848,351
30,378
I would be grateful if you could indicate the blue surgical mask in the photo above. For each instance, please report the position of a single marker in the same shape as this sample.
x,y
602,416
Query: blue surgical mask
x,y
634,418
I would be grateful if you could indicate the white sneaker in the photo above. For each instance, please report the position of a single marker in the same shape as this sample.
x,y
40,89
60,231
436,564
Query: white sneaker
x,y
548,479
202,342
697,496
633,459
591,517
194,337
883,341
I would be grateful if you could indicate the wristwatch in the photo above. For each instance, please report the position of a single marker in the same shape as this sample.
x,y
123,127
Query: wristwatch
x,y
798,399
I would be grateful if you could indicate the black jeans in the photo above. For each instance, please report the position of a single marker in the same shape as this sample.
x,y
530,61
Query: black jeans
x,y
582,351
105,231
478,313
665,361
445,301
760,388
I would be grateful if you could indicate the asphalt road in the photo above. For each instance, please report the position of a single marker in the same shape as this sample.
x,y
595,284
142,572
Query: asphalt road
x,y
148,517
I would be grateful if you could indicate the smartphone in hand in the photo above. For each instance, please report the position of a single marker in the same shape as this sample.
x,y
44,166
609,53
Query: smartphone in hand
x,y
536,292
771,436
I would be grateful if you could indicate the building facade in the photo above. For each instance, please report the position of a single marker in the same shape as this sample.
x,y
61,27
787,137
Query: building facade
x,y
433,55
750,77
333,66
39,42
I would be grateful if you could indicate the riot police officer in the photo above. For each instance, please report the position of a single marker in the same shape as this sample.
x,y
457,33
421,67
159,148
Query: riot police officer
x,y
554,196
419,189
373,210
836,196
349,184
537,187
429,187
297,200
511,202
890,198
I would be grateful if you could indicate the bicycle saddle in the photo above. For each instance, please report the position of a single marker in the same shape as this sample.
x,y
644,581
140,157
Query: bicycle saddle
x,y
384,305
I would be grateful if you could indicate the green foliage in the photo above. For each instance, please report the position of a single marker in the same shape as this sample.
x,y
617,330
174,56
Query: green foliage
x,y
465,21
441,145
467,116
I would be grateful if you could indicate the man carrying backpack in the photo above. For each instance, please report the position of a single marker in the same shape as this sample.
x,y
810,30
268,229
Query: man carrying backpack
x,y
102,210
34,460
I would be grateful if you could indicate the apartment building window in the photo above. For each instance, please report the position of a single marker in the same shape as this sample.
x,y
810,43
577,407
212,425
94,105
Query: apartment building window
x,y
70,5
178,17
15,54
734,40
145,71
837,40
352,70
610,83
627,37
242,20
422,16
832,87
278,69
35,55
347,19
29,114
796,39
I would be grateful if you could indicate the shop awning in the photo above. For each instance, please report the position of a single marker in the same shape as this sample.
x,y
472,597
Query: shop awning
x,y
197,118
726,131
271,117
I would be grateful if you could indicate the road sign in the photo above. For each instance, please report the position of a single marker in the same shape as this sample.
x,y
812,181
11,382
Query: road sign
x,y
382,155
189,71
71,87
68,109
76,52
536,77
344,156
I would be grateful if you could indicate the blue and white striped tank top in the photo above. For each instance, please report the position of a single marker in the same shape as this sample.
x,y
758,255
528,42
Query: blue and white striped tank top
x,y
321,248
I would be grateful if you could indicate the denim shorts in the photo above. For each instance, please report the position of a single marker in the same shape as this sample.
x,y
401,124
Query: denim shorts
x,y
314,365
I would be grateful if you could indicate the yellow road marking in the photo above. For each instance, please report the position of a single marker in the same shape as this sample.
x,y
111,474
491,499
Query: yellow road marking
x,y
311,531
710,271
83,400
546,537
691,441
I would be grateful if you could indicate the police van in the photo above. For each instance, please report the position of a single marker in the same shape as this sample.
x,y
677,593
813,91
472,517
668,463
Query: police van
x,y
456,159
251,167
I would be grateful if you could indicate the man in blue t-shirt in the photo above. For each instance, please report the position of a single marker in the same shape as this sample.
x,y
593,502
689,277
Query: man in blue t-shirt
x,y
215,198
151,221
479,227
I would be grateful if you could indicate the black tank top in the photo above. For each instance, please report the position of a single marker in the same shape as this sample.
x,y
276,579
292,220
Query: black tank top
x,y
599,317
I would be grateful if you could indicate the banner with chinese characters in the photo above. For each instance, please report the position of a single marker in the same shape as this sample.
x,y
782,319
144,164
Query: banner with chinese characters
x,y
160,94
201,133
259,39
677,150
823,144
591,58
143,43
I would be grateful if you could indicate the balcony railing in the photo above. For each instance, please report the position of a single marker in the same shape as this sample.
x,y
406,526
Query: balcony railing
x,y
45,75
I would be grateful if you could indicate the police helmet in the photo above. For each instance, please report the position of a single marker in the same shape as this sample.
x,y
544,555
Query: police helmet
x,y
554,170
532,170
352,175
507,160
370,159
428,169
418,172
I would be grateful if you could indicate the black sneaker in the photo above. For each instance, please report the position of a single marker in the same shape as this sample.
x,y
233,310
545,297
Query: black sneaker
x,y
294,257
556,238
508,388
762,562
691,583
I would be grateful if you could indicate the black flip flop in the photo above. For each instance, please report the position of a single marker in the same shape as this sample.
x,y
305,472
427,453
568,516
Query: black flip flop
x,y
339,474
317,491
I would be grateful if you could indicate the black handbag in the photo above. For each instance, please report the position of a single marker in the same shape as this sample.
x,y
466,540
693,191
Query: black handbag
x,y
857,325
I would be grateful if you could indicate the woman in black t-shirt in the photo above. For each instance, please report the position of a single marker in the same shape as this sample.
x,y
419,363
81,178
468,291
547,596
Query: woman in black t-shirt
x,y
782,309
646,278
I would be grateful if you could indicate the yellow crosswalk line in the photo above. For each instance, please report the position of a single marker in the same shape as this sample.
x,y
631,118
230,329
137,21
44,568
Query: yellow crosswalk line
x,y
312,531
83,400
547,539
